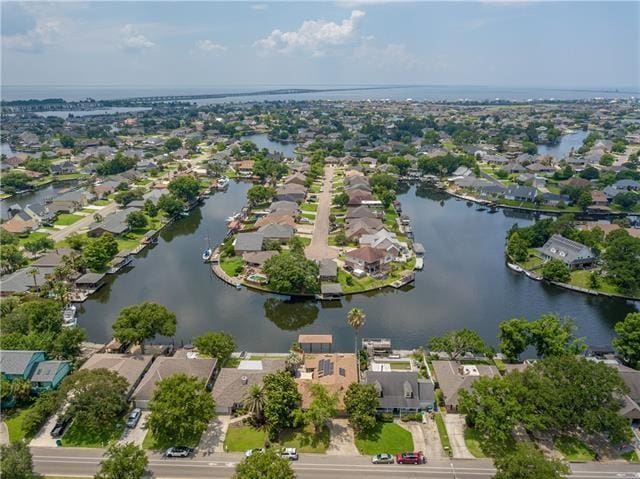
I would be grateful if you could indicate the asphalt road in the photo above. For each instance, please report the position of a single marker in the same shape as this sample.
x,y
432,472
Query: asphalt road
x,y
319,248
84,463
85,222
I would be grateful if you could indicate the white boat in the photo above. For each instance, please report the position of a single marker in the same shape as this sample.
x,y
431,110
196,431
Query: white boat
x,y
206,255
222,182
515,267
419,264
233,217
69,316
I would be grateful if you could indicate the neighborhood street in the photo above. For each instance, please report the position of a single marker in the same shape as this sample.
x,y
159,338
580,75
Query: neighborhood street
x,y
319,248
84,463
85,222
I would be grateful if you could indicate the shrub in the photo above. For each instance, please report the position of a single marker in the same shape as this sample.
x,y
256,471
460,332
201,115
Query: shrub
x,y
46,404
385,417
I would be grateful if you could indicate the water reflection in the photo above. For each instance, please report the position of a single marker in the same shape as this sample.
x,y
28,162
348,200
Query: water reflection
x,y
290,314
183,226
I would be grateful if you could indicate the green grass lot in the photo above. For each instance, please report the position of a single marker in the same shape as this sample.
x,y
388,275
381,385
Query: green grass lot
x,y
231,264
306,440
581,278
442,432
67,219
14,425
34,235
80,436
367,282
529,204
338,211
101,202
231,173
574,450
386,437
533,261
151,444
241,438
305,240
473,441
400,366
314,189
309,207
309,216
390,217
631,456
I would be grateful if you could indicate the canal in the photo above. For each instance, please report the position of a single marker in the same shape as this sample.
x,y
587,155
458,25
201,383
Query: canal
x,y
464,284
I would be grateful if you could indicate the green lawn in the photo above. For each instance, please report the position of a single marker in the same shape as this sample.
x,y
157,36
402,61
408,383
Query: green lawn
x,y
386,437
231,264
14,425
582,278
631,456
532,261
473,441
306,440
231,363
239,439
66,219
309,206
101,202
309,216
33,236
574,450
81,436
400,366
442,432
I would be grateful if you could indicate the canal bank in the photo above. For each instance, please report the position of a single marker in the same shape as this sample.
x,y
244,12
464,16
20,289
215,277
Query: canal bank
x,y
464,284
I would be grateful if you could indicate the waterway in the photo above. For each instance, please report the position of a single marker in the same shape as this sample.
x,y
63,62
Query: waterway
x,y
464,284
564,146
263,141
36,196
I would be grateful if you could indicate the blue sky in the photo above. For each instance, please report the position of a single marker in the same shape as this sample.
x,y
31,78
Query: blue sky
x,y
571,44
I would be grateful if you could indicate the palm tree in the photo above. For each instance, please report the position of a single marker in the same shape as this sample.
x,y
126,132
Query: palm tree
x,y
356,319
254,401
34,272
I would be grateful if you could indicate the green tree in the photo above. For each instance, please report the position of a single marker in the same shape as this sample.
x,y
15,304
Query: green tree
x,y
584,200
356,319
627,342
37,245
21,389
16,461
96,397
76,241
514,337
361,402
254,401
140,322
136,219
259,194
150,209
11,258
184,187
216,344
556,270
322,408
456,343
40,316
282,399
99,251
626,200
126,461
622,261
181,409
171,205
517,248
527,462
341,199
554,336
607,159
173,143
289,272
264,465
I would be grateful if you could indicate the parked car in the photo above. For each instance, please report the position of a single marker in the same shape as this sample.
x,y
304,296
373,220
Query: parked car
x,y
60,427
179,451
134,417
383,458
290,453
410,458
250,452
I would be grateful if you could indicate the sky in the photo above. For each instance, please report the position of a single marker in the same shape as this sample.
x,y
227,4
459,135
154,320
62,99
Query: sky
x,y
493,43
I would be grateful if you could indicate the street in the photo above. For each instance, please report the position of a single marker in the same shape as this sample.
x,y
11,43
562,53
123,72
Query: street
x,y
84,463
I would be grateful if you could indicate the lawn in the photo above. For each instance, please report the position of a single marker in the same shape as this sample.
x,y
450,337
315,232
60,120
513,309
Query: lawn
x,y
473,441
386,437
532,261
309,216
574,450
306,440
232,265
101,202
442,432
80,436
66,219
582,278
239,439
14,425
35,235
309,207
631,456
400,366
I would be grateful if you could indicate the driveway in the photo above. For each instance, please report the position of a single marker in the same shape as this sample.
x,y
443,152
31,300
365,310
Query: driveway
x,y
43,438
319,248
4,434
455,428
137,434
342,439
212,440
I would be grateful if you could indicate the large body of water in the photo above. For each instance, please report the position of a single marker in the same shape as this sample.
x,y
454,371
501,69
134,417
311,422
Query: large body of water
x,y
464,284
421,92
565,145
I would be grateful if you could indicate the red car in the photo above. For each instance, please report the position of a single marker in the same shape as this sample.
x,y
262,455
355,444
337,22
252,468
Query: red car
x,y
410,458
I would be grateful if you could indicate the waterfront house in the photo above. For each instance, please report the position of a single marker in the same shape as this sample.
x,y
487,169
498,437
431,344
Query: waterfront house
x,y
453,377
278,232
401,392
520,193
384,240
244,167
105,188
598,198
360,226
71,201
63,168
40,213
573,254
257,258
360,212
284,208
232,384
335,371
19,364
248,242
116,223
366,259
24,280
49,374
284,219
155,194
357,197
328,270
130,366
164,367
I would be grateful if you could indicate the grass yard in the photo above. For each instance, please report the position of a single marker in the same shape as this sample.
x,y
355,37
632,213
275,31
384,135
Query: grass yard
x,y
101,202
306,440
309,216
232,265
533,261
574,450
312,207
473,441
386,437
79,436
442,432
631,456
582,278
35,235
400,366
239,439
14,425
66,219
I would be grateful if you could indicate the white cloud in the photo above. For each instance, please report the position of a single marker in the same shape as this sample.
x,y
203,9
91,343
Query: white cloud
x,y
313,36
44,33
209,46
132,40
391,56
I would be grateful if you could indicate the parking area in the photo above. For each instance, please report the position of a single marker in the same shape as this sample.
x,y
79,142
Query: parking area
x,y
136,435
455,428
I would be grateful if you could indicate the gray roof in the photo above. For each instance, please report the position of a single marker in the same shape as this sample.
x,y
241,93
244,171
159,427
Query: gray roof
x,y
567,251
129,366
452,380
328,267
284,205
22,280
527,192
331,288
90,278
394,388
15,362
248,242
115,223
276,231
52,258
46,371
230,388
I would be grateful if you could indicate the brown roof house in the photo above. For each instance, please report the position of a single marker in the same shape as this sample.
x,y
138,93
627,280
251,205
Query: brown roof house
x,y
164,367
453,377
335,371
367,259
129,366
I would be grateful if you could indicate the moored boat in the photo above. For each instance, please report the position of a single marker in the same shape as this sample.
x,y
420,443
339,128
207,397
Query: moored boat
x,y
206,255
515,267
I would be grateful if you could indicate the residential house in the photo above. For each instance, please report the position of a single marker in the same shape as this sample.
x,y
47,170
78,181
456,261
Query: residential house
x,y
335,371
520,193
130,366
360,226
105,188
361,212
49,374
367,260
328,270
71,201
64,168
278,232
285,219
384,240
248,243
357,197
453,377
402,392
291,192
573,254
295,179
116,223
284,208
19,223
257,258
33,366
